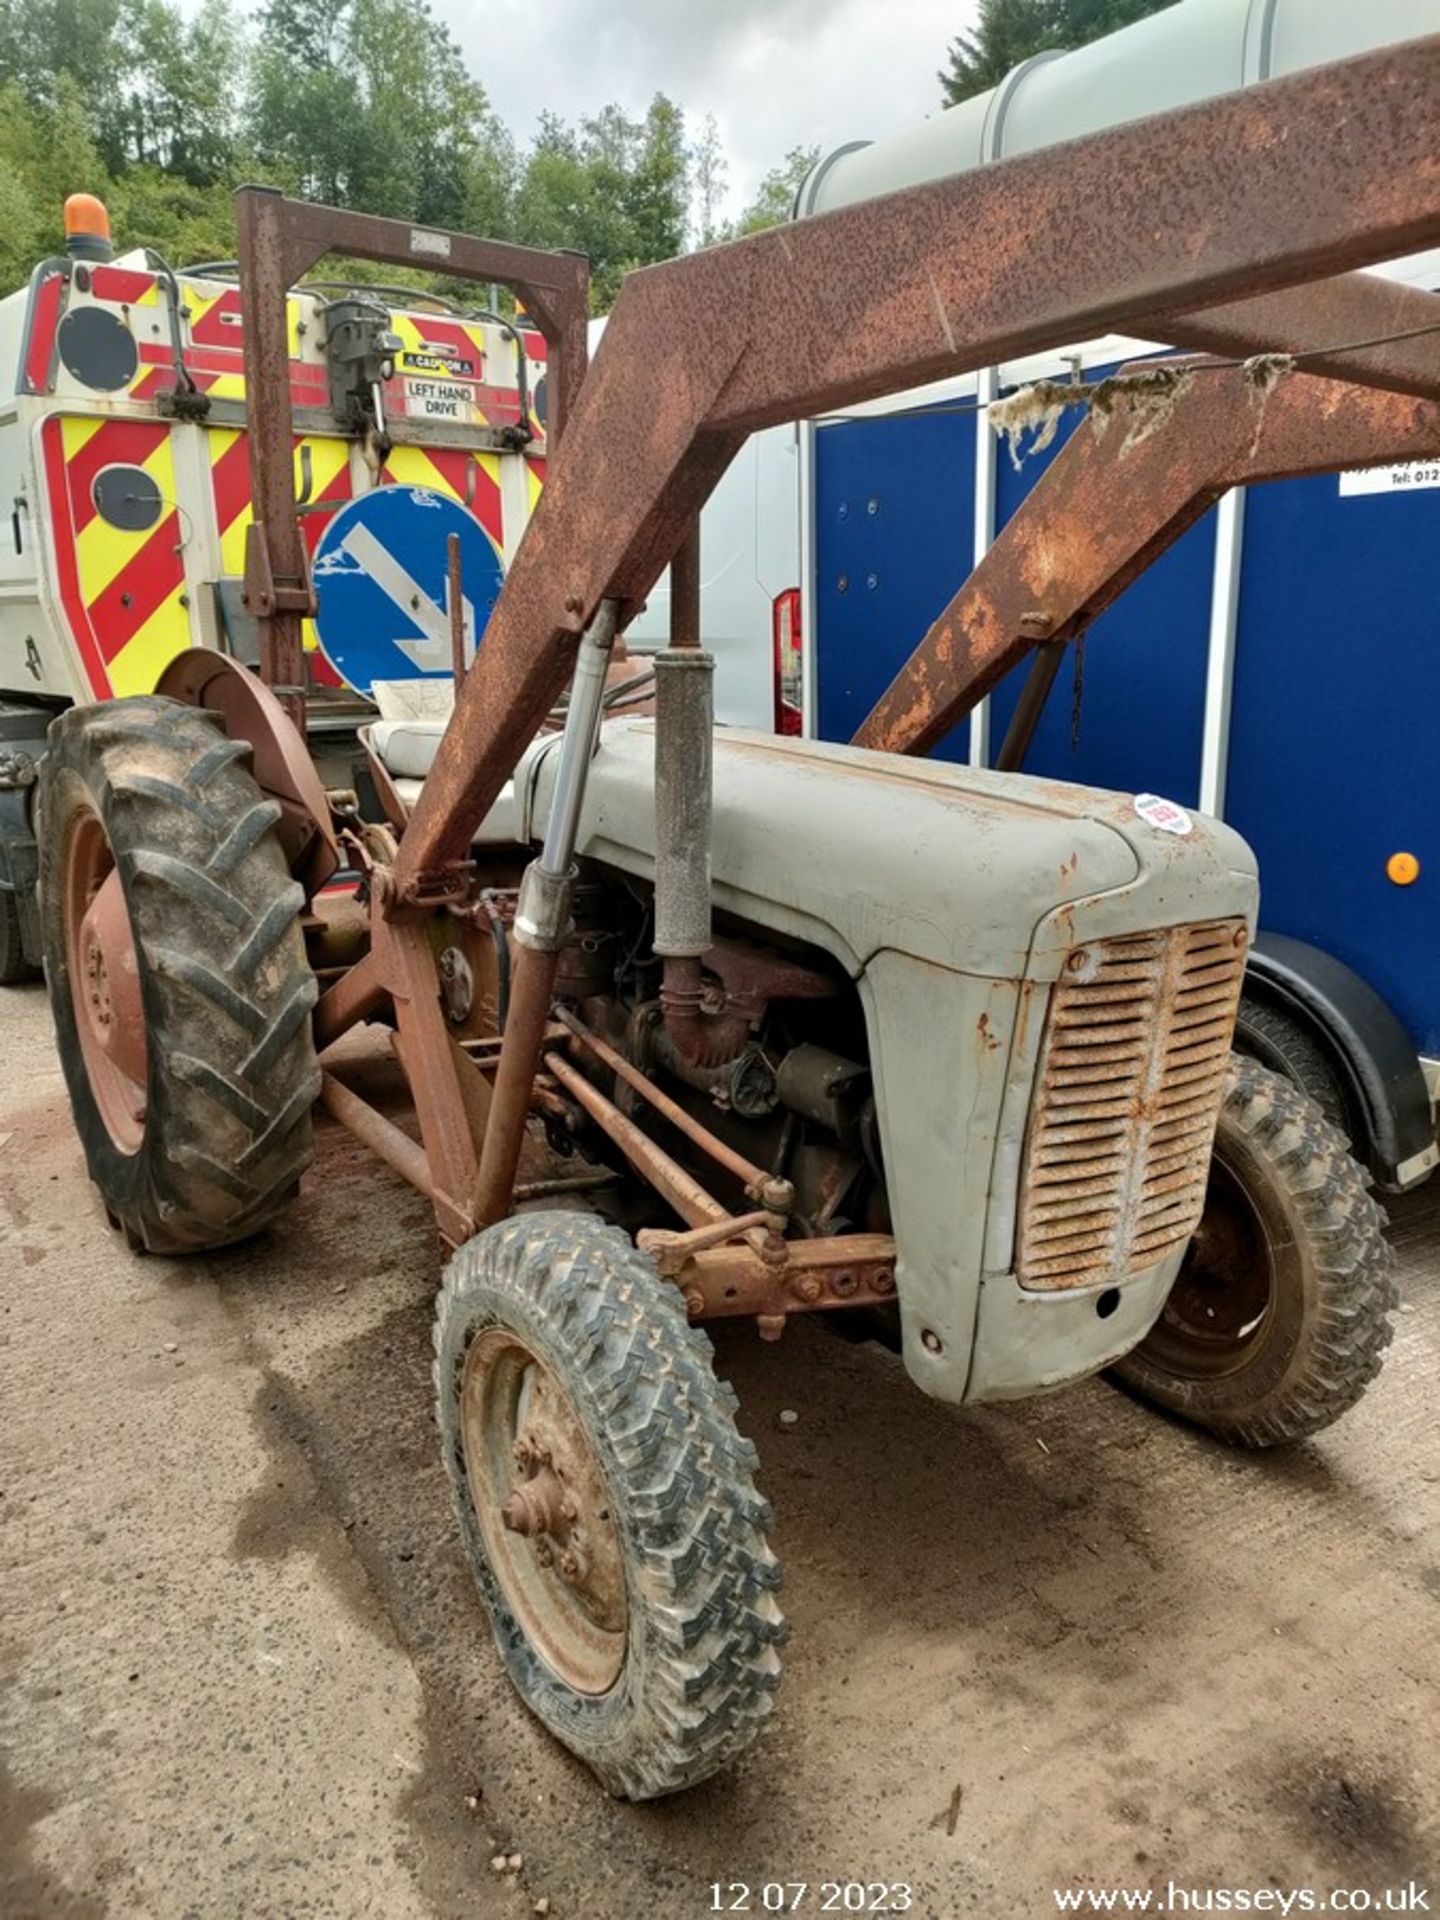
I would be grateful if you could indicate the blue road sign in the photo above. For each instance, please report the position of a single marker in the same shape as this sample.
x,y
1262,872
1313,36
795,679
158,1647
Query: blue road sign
x,y
382,583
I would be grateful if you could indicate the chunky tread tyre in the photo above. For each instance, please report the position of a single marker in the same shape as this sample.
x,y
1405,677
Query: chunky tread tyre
x,y
225,984
1334,1286
1282,1044
701,1663
15,968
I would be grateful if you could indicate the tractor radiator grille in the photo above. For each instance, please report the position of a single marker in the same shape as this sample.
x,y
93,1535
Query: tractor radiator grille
x,y
1131,1072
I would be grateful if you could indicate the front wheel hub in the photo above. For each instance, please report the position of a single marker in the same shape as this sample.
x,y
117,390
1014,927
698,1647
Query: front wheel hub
x,y
543,1506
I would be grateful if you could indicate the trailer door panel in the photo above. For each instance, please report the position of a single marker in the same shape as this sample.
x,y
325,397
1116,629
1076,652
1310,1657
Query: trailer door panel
x,y
894,507
1335,698
1141,694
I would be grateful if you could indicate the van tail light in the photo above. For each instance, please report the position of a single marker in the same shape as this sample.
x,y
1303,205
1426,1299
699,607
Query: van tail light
x,y
785,629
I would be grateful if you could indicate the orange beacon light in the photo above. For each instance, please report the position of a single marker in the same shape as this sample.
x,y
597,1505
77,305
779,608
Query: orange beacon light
x,y
87,228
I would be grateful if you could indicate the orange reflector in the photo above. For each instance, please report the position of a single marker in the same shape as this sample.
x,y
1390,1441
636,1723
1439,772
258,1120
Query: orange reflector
x,y
86,215
1403,869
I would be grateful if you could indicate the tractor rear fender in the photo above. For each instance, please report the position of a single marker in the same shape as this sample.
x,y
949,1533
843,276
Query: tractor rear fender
x,y
1387,1101
201,677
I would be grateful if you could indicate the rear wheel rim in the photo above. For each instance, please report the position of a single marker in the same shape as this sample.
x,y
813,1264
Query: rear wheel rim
x,y
544,1510
104,975
1221,1308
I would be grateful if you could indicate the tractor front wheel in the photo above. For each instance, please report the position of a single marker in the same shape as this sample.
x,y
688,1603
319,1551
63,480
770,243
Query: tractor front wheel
x,y
1280,1315
606,1502
177,972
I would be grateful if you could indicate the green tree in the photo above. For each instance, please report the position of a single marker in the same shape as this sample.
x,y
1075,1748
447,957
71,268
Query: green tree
x,y
709,171
616,188
49,45
1009,31
177,91
302,107
368,104
657,196
29,208
775,196
162,106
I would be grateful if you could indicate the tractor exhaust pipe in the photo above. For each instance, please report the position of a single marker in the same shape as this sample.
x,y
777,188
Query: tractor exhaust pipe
x,y
684,723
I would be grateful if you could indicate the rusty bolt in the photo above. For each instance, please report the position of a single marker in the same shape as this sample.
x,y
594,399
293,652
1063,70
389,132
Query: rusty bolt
x,y
773,1250
931,1341
694,1302
1241,937
568,1509
1036,625
770,1325
1078,960
845,1282
569,1566
807,1288
882,1280
516,1514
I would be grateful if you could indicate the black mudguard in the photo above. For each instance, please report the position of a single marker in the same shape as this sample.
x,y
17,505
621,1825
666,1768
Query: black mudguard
x,y
1368,1047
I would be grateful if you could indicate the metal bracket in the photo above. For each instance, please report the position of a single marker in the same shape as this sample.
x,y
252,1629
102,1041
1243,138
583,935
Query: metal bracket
x,y
261,594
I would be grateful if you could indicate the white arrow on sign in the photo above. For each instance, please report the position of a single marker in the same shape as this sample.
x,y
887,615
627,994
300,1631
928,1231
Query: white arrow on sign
x,y
432,654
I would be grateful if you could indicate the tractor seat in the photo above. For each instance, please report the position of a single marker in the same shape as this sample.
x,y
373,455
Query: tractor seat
x,y
407,748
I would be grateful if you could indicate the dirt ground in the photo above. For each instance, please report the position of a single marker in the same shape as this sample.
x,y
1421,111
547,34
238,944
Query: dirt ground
x,y
243,1671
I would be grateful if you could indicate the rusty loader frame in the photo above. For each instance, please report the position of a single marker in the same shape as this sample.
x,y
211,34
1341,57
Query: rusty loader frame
x,y
1204,229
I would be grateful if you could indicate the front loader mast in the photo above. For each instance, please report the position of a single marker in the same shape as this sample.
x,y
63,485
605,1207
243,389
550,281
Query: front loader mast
x,y
1188,228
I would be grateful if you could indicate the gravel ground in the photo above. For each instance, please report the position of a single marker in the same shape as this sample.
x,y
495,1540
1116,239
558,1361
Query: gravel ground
x,y
243,1672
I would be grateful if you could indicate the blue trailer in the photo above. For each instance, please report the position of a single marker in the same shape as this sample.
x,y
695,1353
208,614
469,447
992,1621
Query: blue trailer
x,y
1279,667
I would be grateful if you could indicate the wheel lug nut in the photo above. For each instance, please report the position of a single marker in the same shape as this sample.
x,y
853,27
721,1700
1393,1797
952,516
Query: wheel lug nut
x,y
569,1565
516,1513
568,1509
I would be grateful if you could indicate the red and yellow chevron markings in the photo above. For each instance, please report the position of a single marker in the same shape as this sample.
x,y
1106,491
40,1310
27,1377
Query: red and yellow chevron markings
x,y
124,286
450,351
329,480
215,353
122,591
445,470
41,323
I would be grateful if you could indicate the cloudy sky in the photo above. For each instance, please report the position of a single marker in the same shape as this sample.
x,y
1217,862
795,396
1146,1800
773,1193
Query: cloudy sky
x,y
775,73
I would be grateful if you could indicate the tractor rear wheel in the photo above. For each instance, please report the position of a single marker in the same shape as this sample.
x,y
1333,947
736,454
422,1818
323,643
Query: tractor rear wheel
x,y
177,973
606,1502
1280,1315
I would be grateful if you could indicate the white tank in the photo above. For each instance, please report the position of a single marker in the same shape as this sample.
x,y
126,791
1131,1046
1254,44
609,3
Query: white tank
x,y
1186,53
